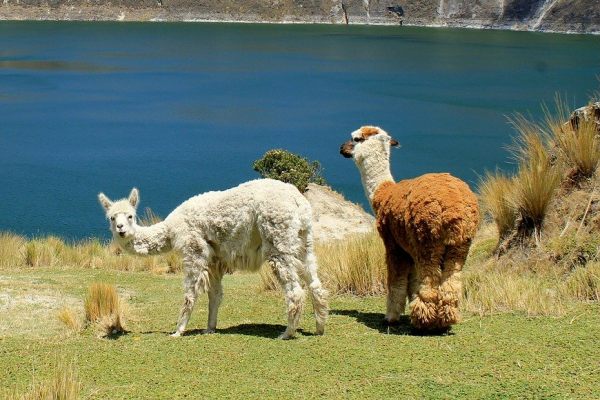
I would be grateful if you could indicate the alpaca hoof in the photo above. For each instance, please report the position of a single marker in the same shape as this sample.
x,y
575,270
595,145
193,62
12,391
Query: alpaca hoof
x,y
209,331
176,334
448,315
320,331
423,315
286,336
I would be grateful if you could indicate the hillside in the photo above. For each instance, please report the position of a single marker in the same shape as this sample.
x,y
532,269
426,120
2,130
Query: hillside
x,y
553,15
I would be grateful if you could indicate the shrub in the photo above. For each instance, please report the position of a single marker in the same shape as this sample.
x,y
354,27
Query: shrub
x,y
104,308
289,167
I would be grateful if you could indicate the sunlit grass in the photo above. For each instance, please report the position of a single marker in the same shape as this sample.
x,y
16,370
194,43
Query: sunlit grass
x,y
359,356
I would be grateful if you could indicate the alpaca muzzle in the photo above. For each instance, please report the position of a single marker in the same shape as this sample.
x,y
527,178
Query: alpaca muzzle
x,y
346,149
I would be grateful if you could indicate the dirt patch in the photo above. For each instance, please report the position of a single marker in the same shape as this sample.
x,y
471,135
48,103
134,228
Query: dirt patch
x,y
30,311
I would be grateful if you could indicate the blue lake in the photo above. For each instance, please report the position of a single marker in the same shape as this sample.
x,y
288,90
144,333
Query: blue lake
x,y
181,108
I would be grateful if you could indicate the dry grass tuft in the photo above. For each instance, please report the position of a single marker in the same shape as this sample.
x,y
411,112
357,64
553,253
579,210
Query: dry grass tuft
x,y
104,308
495,190
536,180
149,218
268,280
496,291
578,145
63,385
43,252
12,250
18,252
584,283
67,316
355,265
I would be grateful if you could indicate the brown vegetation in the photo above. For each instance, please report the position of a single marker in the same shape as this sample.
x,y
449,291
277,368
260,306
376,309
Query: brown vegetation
x,y
104,308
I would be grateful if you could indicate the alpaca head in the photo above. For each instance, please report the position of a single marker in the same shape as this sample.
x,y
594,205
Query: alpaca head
x,y
121,214
368,141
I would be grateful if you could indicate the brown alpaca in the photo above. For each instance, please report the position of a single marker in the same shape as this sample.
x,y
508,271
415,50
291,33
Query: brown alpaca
x,y
427,225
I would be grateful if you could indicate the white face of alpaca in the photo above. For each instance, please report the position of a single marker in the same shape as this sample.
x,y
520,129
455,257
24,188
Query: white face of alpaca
x,y
121,214
367,140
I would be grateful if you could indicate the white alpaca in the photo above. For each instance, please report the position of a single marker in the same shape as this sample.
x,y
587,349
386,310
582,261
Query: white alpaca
x,y
235,229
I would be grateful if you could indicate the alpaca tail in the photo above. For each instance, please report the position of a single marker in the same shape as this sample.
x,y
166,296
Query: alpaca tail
x,y
318,294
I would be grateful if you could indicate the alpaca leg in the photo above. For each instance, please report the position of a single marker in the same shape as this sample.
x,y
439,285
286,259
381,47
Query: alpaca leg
x,y
196,280
398,266
451,287
423,307
215,295
316,291
413,283
284,268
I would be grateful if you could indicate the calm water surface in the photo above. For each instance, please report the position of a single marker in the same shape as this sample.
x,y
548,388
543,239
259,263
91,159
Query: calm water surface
x,y
178,109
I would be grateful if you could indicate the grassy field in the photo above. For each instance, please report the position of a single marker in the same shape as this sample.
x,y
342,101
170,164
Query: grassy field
x,y
493,356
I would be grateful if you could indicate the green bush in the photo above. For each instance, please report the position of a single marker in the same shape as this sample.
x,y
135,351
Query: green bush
x,y
289,167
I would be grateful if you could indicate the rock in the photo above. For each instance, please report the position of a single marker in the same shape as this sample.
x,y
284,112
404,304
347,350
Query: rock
x,y
334,217
585,113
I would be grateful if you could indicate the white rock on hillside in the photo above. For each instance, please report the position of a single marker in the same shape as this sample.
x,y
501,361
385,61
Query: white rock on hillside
x,y
334,217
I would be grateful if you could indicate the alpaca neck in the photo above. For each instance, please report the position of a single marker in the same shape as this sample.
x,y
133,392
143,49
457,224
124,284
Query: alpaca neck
x,y
148,240
373,172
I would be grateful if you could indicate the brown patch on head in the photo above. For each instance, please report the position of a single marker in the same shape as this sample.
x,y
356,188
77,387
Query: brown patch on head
x,y
368,131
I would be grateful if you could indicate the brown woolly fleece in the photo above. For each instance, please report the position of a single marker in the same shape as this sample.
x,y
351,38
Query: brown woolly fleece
x,y
428,221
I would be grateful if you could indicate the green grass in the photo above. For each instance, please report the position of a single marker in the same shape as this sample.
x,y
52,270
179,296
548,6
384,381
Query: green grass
x,y
500,356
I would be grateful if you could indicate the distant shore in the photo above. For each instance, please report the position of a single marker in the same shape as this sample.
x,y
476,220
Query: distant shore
x,y
158,13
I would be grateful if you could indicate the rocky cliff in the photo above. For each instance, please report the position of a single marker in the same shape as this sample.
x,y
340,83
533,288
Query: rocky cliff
x,y
554,15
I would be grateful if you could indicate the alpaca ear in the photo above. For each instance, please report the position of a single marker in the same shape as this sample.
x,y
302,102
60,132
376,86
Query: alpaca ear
x,y
134,197
394,143
104,201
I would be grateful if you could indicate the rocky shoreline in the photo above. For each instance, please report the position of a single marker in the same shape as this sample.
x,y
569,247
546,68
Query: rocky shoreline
x,y
568,16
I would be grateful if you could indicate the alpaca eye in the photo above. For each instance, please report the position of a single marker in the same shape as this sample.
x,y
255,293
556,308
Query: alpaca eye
x,y
112,218
130,217
359,139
